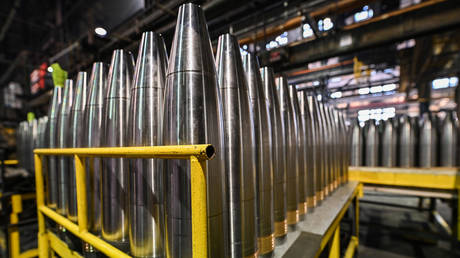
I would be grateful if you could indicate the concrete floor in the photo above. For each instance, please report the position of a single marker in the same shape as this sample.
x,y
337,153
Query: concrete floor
x,y
402,232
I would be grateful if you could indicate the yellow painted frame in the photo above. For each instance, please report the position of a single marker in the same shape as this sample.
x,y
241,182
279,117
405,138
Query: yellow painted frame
x,y
333,232
197,154
439,178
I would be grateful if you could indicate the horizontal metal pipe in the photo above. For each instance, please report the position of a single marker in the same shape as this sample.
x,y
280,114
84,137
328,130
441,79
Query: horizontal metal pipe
x,y
201,151
97,242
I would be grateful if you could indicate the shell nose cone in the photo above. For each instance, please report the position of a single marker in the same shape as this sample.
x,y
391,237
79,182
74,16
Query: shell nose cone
x,y
229,64
120,74
97,83
191,47
151,62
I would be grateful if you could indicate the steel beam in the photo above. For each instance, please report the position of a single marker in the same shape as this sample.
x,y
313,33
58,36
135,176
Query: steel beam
x,y
422,21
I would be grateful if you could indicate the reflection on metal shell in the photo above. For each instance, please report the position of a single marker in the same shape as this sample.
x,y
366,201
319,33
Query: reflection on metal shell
x,y
52,130
64,162
406,142
427,142
290,148
92,135
114,178
301,151
75,139
279,158
263,155
319,150
146,210
448,140
371,140
389,142
356,144
306,109
239,148
193,115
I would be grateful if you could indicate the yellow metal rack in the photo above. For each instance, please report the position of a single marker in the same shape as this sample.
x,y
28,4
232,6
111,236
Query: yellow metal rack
x,y
436,178
197,154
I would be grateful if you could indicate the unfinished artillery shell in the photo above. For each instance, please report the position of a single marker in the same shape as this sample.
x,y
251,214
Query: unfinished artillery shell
x,y
427,142
356,158
389,144
290,151
448,140
279,158
406,142
92,137
239,148
75,139
146,201
310,152
193,115
301,151
64,162
371,141
52,139
263,155
114,178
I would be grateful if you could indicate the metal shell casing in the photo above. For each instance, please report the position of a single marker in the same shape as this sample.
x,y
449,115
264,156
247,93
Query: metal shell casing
x,y
279,158
371,139
92,137
389,144
310,147
193,115
301,151
448,141
114,178
75,139
356,158
52,140
64,162
290,150
146,200
239,148
406,142
319,149
427,142
263,155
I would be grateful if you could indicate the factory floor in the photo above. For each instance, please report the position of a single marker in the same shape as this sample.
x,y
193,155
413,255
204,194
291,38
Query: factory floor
x,y
397,232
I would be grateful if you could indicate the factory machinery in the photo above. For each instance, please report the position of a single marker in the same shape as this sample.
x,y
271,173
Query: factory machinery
x,y
241,158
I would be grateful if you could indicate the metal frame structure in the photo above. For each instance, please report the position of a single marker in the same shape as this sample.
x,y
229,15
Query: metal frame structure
x,y
436,178
197,154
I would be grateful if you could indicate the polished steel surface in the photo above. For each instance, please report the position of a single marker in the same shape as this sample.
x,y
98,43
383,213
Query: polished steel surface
x,y
52,129
279,158
346,143
427,142
389,144
263,153
290,150
301,151
193,115
371,140
114,178
306,109
356,144
406,142
239,148
319,149
325,130
146,200
92,137
62,142
75,139
448,141
31,139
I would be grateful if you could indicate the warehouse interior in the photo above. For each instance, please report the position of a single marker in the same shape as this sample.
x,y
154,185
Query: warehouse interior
x,y
228,128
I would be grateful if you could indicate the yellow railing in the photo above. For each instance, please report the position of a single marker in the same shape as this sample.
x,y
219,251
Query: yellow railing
x,y
197,154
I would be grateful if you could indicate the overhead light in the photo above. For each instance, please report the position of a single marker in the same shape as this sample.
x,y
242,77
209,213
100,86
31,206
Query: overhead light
x,y
100,31
363,91
50,69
